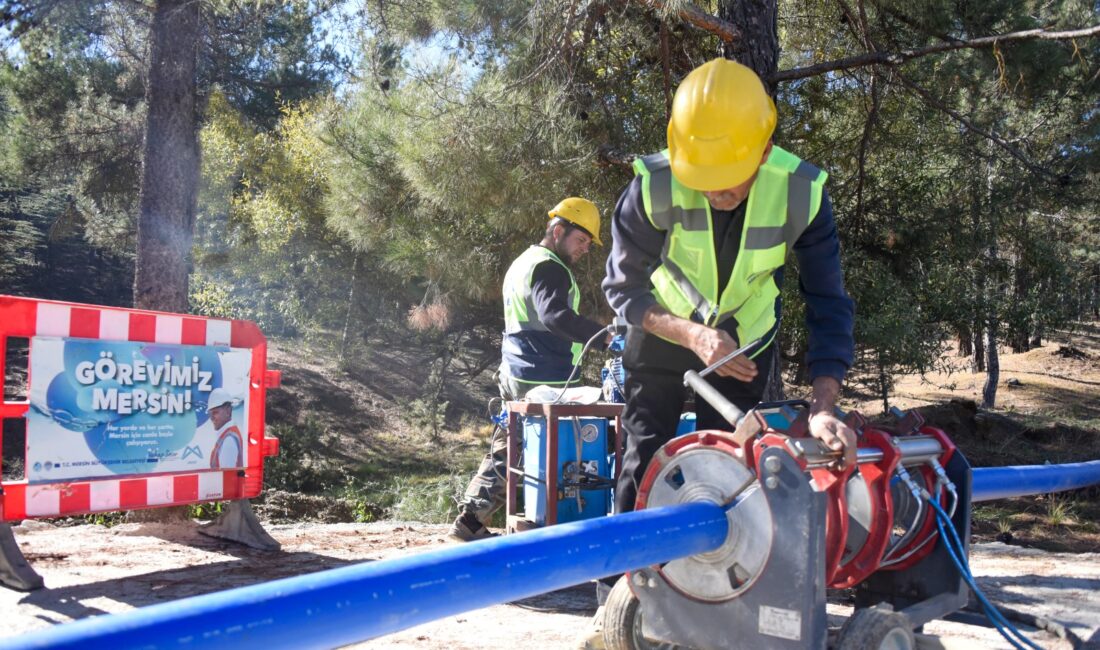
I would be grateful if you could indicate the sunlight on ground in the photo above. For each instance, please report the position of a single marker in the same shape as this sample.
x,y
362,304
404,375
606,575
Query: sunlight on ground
x,y
1052,381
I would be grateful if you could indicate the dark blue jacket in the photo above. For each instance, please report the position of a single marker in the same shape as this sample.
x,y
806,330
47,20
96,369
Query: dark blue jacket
x,y
636,250
547,357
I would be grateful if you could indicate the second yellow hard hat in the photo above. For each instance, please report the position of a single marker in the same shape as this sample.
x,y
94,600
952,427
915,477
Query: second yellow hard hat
x,y
722,120
579,212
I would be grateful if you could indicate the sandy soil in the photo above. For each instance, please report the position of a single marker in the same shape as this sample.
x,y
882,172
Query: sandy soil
x,y
1059,379
93,570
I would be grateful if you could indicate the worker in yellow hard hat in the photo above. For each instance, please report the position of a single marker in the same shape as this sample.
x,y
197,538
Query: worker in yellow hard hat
x,y
544,334
700,239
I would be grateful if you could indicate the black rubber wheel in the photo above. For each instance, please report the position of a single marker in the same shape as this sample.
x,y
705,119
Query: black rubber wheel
x,y
876,629
622,621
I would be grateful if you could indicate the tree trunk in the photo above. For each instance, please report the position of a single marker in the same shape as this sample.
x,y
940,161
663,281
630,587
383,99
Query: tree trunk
x,y
990,298
1036,331
773,390
801,372
977,362
1036,337
993,372
885,384
1018,337
351,306
1096,292
169,181
966,343
758,48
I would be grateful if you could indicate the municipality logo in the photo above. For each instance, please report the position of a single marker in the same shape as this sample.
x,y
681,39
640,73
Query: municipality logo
x,y
192,451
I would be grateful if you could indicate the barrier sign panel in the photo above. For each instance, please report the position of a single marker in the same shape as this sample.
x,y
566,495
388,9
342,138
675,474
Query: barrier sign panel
x,y
107,408
130,408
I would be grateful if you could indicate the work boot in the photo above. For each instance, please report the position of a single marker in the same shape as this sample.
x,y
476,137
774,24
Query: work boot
x,y
467,528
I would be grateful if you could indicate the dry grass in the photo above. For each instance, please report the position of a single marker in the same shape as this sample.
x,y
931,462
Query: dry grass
x,y
432,316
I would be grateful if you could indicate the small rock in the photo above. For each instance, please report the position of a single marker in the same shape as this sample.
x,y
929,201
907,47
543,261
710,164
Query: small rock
x,y
1013,382
34,524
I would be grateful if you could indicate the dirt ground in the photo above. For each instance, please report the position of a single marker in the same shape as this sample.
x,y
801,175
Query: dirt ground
x,y
93,570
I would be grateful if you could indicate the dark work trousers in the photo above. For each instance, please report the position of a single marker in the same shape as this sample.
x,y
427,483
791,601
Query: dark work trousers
x,y
654,401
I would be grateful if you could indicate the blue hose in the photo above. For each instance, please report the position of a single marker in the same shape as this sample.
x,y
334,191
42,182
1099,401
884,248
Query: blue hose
x,y
955,549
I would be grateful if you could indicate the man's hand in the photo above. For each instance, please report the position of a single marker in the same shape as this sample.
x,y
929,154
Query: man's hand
x,y
836,435
710,345
707,343
825,426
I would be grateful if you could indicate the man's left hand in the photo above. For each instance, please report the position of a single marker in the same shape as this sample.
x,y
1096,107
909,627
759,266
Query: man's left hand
x,y
826,427
824,424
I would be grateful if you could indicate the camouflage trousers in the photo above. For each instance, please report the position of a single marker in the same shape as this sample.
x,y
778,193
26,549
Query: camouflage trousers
x,y
485,493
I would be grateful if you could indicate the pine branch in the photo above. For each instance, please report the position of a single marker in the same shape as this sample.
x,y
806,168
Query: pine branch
x,y
930,99
696,17
865,145
609,155
897,58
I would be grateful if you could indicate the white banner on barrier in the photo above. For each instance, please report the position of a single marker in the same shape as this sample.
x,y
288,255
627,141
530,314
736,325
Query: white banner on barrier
x,y
105,408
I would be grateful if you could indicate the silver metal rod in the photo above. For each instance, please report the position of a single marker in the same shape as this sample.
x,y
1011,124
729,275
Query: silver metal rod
x,y
725,408
915,450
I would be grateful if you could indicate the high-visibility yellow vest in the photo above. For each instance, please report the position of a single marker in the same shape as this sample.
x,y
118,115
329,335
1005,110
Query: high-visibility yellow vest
x,y
519,306
783,201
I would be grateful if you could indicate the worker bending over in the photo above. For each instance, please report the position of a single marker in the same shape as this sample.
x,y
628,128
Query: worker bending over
x,y
544,334
701,236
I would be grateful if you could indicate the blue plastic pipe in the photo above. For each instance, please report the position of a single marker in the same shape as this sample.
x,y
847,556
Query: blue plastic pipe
x,y
355,603
991,483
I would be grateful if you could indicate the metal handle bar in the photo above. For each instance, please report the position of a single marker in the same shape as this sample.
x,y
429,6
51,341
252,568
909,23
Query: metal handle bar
x,y
725,408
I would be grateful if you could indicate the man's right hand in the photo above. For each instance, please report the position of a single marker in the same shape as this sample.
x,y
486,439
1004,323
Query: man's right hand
x,y
707,343
711,344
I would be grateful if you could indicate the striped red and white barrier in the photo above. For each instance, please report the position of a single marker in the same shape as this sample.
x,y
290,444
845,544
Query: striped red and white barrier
x,y
29,318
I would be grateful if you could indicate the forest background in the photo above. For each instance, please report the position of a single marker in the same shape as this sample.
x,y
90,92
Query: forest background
x,y
355,176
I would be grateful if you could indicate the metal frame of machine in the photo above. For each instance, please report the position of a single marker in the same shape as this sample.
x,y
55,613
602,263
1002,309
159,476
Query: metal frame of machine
x,y
514,519
798,525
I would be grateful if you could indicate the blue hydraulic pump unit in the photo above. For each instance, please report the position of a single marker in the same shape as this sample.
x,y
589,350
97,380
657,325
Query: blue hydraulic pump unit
x,y
583,489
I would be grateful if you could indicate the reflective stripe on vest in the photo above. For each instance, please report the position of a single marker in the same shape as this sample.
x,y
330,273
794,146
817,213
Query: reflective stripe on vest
x,y
783,201
520,313
230,433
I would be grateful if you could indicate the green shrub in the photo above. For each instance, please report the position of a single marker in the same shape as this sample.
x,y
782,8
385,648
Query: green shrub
x,y
432,500
300,467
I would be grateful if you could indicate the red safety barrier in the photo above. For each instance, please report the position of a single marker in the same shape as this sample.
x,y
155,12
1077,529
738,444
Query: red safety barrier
x,y
50,325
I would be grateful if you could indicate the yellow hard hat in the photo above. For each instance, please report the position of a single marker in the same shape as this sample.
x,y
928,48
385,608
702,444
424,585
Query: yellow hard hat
x,y
722,120
579,212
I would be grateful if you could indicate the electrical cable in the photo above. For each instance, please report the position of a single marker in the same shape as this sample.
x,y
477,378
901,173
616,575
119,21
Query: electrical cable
x,y
941,483
910,531
492,444
578,448
924,542
489,407
603,332
957,552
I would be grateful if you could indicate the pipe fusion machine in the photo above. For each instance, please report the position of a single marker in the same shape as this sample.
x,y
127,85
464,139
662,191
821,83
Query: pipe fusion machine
x,y
797,525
